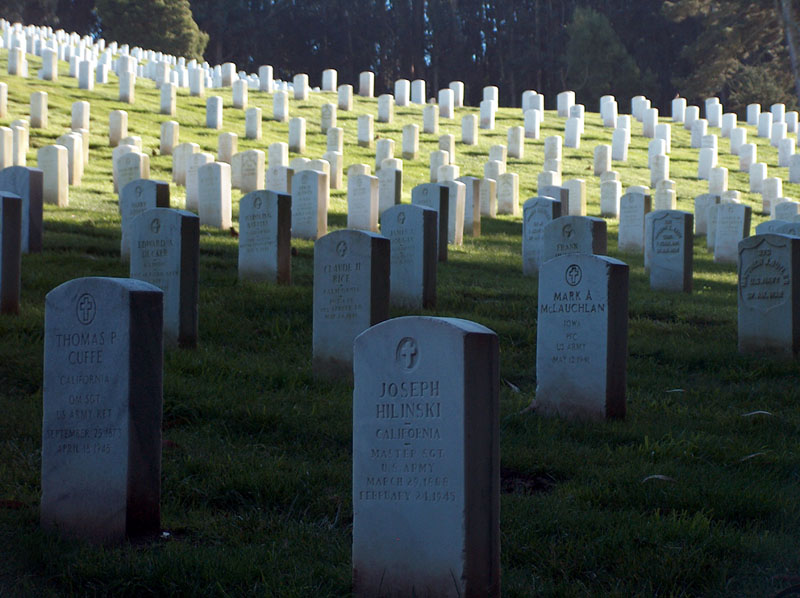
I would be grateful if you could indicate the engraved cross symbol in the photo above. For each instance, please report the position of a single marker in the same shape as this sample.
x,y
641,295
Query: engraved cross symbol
x,y
573,275
155,226
86,309
408,352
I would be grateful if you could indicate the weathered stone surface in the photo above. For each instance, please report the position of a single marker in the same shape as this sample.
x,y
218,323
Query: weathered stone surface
x,y
351,293
582,337
102,400
769,297
426,482
265,221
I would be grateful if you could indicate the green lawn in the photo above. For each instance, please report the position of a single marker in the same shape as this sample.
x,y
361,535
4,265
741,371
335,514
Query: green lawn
x,y
696,493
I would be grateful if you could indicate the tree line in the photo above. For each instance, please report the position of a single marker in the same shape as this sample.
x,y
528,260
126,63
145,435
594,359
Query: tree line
x,y
740,50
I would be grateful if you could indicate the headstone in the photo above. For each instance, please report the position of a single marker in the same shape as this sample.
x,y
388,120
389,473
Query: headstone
x,y
239,94
410,142
19,143
136,197
169,98
669,250
344,97
576,197
165,251
362,202
664,132
49,65
351,293
634,208
437,158
532,123
436,197
418,91
252,123
448,144
488,191
11,206
265,219
457,87
38,110
430,119
214,112
702,203
330,78
574,234
582,338
384,148
785,152
169,137
758,174
52,160
446,103
180,161
411,231
265,81
572,133
564,101
487,113
131,166
195,161
619,145
366,130
469,129
366,84
764,124
738,140
732,225
336,162
297,135
28,184
659,171
117,127
649,122
102,401
785,210
279,179
610,192
6,147
385,108
334,141
772,189
472,205
214,197
86,75
602,159
227,146
537,212
768,303
516,142
440,377
310,194
390,184
74,144
280,106
508,193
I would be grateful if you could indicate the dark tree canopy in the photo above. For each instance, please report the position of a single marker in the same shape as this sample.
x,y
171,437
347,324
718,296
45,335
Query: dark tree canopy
x,y
163,25
739,50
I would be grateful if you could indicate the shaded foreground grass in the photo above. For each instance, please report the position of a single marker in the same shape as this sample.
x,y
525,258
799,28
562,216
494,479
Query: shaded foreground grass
x,y
696,493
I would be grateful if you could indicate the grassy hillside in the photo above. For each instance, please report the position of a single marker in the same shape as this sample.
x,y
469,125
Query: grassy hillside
x,y
256,495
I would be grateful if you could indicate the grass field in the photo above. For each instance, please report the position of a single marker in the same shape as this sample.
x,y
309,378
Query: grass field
x,y
696,493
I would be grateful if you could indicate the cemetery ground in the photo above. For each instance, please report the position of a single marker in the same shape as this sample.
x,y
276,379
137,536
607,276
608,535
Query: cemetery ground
x,y
695,493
